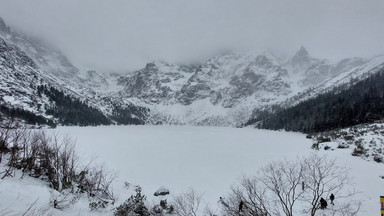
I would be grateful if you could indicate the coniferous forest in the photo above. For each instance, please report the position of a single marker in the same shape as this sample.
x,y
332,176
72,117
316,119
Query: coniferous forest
x,y
362,102
27,116
68,110
128,115
71,111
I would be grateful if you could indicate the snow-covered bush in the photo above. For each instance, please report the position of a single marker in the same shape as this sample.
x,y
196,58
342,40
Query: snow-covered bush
x,y
343,145
53,159
133,206
365,140
359,150
378,158
315,146
162,208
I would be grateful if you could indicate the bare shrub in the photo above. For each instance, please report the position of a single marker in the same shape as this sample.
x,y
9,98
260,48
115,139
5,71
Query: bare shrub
x,y
12,136
188,203
97,183
322,178
273,192
63,199
286,188
53,158
253,194
282,180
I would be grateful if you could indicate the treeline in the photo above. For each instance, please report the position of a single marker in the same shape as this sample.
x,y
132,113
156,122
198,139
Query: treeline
x,y
27,116
129,115
71,111
67,110
360,103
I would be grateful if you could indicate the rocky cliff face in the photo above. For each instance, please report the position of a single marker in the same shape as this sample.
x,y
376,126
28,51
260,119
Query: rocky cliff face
x,y
17,75
197,93
157,83
225,89
12,57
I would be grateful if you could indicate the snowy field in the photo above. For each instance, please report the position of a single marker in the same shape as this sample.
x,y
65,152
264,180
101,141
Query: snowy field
x,y
207,159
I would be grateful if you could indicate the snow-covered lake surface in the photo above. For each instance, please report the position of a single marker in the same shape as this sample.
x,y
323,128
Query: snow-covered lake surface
x,y
207,159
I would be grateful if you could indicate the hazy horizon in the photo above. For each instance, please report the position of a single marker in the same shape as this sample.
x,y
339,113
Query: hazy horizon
x,y
124,35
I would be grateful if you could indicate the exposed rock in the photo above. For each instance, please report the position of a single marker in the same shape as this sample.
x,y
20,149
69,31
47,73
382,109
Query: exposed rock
x,y
155,83
215,98
161,192
301,58
11,56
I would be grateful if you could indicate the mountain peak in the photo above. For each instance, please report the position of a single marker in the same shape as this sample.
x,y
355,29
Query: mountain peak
x,y
3,26
301,58
150,65
302,52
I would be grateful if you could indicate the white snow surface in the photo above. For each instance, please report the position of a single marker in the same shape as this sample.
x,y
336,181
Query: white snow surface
x,y
207,159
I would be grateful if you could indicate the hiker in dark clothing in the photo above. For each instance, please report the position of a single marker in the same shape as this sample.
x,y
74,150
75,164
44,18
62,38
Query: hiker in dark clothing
x,y
241,204
221,200
332,197
323,203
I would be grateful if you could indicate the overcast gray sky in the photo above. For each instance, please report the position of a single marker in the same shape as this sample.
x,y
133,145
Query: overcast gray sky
x,y
125,34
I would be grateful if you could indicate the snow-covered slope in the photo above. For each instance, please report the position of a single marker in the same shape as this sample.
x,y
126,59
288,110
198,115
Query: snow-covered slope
x,y
353,70
365,141
19,77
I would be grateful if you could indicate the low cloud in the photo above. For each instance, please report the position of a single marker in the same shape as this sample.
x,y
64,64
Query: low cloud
x,y
125,34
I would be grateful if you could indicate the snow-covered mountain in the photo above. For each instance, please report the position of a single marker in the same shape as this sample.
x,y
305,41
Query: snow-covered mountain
x,y
27,65
224,90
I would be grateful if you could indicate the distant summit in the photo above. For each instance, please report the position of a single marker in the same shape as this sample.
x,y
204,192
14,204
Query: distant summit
x,y
301,58
302,52
3,26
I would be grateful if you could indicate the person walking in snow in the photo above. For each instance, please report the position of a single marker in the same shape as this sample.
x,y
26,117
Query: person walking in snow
x,y
323,203
332,197
241,204
221,200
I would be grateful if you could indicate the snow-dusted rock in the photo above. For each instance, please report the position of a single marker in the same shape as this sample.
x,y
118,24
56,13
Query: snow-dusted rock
x,y
161,192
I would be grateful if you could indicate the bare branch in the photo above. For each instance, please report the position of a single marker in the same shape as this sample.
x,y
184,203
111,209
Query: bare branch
x,y
187,204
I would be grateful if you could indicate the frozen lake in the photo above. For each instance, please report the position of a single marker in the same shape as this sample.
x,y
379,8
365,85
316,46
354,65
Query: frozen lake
x,y
207,159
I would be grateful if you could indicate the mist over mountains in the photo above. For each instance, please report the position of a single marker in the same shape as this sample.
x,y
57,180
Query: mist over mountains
x,y
227,90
